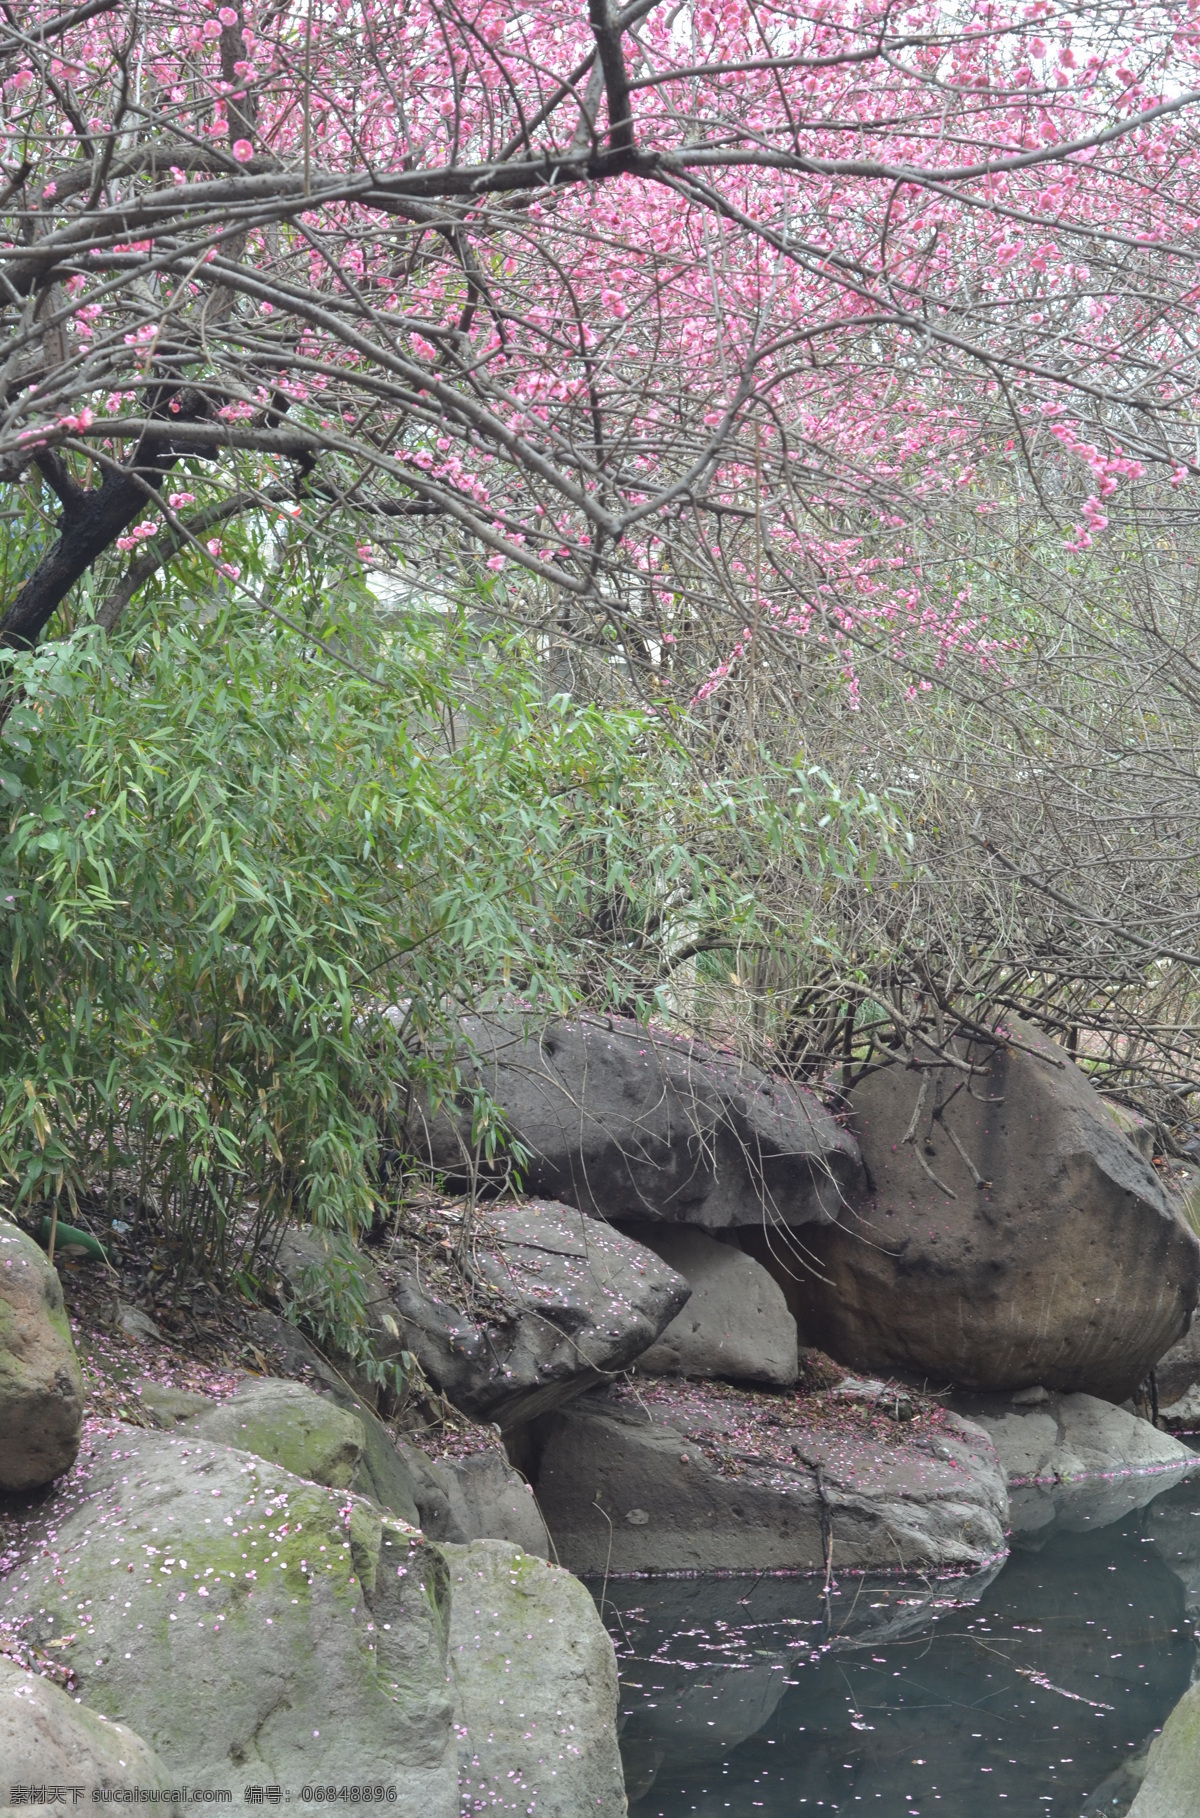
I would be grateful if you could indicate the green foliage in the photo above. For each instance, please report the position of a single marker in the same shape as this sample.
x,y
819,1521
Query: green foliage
x,y
330,1299
252,866
226,854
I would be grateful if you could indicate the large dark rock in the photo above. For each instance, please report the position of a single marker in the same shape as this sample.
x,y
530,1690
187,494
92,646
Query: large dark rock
x,y
565,1302
577,1302
1068,1266
679,1477
630,1123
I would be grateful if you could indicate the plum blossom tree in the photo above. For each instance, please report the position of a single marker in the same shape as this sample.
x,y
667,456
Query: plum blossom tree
x,y
685,312
824,370
819,361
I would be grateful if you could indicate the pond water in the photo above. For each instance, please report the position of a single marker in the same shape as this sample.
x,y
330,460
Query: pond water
x,y
1017,1694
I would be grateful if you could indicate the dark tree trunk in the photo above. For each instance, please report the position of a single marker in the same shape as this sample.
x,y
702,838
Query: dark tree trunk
x,y
90,523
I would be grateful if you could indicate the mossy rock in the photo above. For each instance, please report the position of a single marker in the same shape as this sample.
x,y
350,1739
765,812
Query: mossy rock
x,y
535,1680
384,1472
251,1626
1171,1788
41,1384
167,1407
288,1425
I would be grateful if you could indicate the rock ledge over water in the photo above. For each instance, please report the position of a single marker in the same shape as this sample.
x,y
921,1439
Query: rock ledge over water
x,y
683,1476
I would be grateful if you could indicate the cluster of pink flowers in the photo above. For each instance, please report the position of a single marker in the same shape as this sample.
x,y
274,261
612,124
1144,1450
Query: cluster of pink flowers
x,y
819,314
139,534
1109,470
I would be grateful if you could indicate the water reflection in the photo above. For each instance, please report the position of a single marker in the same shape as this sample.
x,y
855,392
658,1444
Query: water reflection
x,y
1020,1694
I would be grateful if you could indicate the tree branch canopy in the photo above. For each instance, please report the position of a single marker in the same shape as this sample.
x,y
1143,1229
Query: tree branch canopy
x,y
396,246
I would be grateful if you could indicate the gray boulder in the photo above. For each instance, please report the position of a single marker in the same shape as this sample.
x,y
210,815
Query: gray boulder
x,y
1069,1437
1171,1787
41,1386
631,1123
1078,1461
736,1323
290,1425
567,1302
535,1685
480,1497
45,1736
166,1407
135,1322
1061,1261
330,1439
684,1478
251,1626
1182,1416
1177,1381
385,1472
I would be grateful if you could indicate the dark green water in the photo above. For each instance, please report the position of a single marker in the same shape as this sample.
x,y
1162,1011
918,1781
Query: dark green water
x,y
1017,1696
